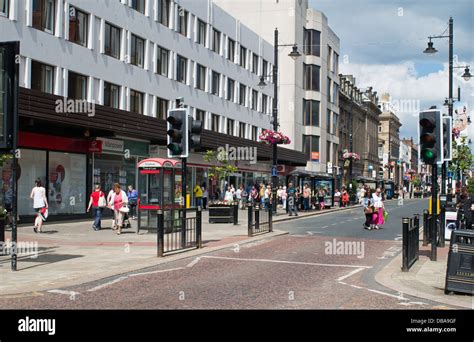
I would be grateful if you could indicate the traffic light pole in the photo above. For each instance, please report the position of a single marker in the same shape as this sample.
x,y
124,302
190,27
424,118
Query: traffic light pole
x,y
184,195
434,212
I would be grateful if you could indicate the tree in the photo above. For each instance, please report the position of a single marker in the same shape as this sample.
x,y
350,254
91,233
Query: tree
x,y
462,156
220,165
4,158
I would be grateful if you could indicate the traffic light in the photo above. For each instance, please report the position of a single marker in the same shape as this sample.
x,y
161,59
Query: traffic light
x,y
177,133
195,130
447,138
431,137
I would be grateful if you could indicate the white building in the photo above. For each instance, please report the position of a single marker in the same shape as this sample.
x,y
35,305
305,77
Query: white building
x,y
308,86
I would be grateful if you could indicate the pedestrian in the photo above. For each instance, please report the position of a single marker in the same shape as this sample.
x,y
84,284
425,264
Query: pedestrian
x,y
118,202
111,206
377,217
344,197
267,196
337,197
245,197
205,195
465,203
321,194
217,194
40,204
254,195
306,196
292,196
262,194
368,210
132,195
238,196
229,196
197,195
8,202
98,203
284,196
362,192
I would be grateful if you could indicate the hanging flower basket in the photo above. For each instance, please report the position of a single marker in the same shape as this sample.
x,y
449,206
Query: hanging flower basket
x,y
270,137
350,155
411,171
456,133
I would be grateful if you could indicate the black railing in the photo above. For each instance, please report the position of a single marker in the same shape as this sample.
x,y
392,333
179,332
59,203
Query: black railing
x,y
172,236
259,220
411,241
426,227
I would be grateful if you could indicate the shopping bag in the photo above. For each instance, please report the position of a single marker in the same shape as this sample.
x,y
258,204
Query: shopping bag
x,y
44,214
385,215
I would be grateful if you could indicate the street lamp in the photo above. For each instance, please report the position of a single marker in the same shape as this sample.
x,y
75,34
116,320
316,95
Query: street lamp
x,y
293,54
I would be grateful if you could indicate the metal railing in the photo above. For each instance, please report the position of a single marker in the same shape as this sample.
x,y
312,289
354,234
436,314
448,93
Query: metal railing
x,y
175,233
411,241
259,220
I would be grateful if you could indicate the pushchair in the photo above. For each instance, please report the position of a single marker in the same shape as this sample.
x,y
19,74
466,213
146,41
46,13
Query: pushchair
x,y
126,221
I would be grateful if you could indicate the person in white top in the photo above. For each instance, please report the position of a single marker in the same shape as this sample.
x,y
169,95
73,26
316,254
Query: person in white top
x,y
229,196
284,196
238,196
38,194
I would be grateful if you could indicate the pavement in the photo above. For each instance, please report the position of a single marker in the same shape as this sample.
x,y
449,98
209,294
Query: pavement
x,y
71,253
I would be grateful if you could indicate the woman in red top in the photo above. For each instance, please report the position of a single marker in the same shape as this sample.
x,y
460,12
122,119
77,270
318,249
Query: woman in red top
x,y
97,196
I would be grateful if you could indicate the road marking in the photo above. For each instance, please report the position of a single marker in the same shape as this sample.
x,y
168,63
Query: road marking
x,y
194,262
68,293
412,303
324,227
107,284
333,224
288,262
310,233
159,271
350,274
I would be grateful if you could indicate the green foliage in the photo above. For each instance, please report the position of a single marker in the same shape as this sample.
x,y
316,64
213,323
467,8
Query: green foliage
x,y
470,185
220,166
4,158
416,182
462,156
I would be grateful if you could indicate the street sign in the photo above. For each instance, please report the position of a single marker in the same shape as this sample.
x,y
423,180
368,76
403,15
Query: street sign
x,y
329,166
274,171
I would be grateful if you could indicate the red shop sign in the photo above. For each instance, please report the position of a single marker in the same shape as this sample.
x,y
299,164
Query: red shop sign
x,y
95,146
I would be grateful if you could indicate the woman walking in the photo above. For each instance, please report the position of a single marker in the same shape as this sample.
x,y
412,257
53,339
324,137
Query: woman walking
x,y
284,196
368,210
118,203
321,194
132,195
377,218
38,194
97,202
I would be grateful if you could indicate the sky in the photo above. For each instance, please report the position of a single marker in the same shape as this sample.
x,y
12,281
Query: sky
x,y
382,43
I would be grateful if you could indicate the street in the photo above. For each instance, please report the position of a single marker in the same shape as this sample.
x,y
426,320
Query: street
x,y
303,270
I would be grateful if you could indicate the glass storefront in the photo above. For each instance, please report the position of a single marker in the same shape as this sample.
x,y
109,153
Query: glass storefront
x,y
67,182
110,168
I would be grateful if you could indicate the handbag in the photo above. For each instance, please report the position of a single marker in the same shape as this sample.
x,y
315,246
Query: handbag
x,y
369,210
102,202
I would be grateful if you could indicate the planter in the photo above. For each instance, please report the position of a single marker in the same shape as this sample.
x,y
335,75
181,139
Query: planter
x,y
222,213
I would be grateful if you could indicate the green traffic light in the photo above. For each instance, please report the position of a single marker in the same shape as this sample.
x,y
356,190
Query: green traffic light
x,y
175,148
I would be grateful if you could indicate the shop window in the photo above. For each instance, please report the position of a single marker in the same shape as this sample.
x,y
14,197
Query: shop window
x,y
110,169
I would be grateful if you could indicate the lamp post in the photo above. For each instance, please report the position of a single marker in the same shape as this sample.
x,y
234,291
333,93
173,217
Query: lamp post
x,y
293,54
467,75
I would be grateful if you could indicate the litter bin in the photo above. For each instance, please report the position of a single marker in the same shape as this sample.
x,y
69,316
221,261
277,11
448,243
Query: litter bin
x,y
460,270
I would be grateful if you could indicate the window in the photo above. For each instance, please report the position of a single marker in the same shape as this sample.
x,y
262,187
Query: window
x,y
334,123
255,64
230,126
111,95
243,57
328,90
242,130
164,12
181,70
4,7
43,15
216,41
329,59
311,77
200,115
200,77
335,93
137,51
138,5
161,108
136,101
42,77
254,133
312,42
231,50
310,144
78,26
328,151
230,89
216,77
254,99
311,113
242,97
264,68
182,24
112,40
201,32
215,123
77,86
328,121
335,66
264,104
380,129
162,61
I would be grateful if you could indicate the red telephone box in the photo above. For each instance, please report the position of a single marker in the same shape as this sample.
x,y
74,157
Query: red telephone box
x,y
159,187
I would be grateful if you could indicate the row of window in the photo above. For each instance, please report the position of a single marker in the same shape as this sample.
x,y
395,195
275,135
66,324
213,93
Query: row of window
x,y
311,147
311,116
